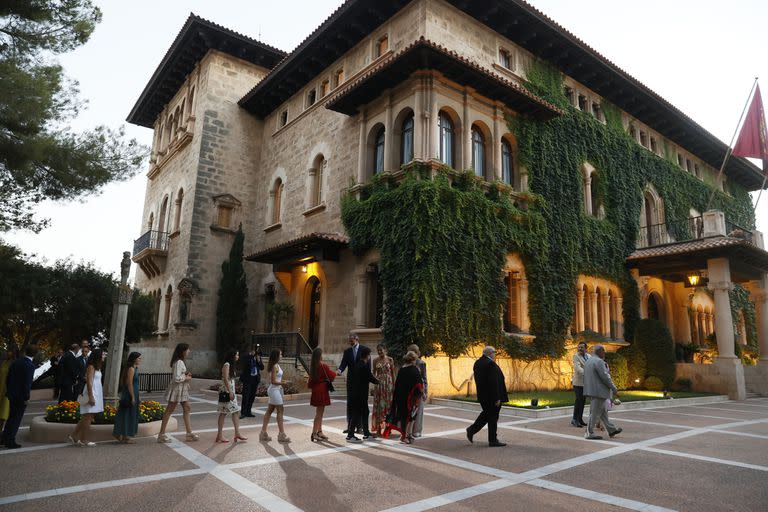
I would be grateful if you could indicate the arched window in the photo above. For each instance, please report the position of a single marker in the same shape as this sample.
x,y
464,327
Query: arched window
x,y
177,218
189,102
316,181
587,309
507,170
150,221
163,212
478,152
446,139
595,194
406,140
600,317
378,152
512,305
167,312
157,293
277,198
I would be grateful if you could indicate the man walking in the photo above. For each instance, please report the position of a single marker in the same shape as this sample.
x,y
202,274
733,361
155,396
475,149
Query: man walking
x,y
418,421
491,393
599,387
250,377
69,371
349,360
579,360
20,375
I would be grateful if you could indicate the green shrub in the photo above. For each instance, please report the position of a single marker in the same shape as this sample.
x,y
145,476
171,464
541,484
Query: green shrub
x,y
654,384
619,370
635,365
654,340
682,385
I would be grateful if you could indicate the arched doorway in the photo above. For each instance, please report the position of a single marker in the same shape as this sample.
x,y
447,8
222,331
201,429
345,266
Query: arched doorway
x,y
314,296
655,307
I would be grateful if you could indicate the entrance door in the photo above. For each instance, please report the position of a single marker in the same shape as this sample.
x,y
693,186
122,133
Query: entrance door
x,y
314,289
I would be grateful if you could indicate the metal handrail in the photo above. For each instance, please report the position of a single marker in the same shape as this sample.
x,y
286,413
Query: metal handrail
x,y
151,240
736,231
666,233
291,344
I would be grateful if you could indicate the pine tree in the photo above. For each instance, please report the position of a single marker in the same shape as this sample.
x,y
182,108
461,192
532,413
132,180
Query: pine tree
x,y
233,294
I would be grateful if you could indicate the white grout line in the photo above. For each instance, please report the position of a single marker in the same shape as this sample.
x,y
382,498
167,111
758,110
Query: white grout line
x,y
691,414
706,458
452,497
743,434
655,423
728,409
596,496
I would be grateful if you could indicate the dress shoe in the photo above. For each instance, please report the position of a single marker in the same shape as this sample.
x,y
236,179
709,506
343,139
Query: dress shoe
x,y
592,436
615,432
575,423
582,424
12,445
345,431
470,435
496,444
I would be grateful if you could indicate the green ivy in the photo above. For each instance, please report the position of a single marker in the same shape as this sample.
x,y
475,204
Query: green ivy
x,y
740,303
443,241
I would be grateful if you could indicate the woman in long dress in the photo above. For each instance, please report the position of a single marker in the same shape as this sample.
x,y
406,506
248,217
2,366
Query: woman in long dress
x,y
229,407
275,394
178,391
384,371
127,417
406,399
320,376
92,400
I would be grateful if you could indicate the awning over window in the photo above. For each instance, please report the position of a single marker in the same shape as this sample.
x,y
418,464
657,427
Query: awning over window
x,y
424,54
304,249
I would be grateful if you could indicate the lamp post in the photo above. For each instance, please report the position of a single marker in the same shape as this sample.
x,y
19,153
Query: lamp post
x,y
121,298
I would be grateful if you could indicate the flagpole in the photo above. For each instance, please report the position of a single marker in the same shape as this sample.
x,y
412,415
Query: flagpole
x,y
730,146
765,177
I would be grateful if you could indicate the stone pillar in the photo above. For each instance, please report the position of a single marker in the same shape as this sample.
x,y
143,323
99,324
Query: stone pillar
x,y
605,329
619,318
466,137
686,326
121,299
361,290
761,310
525,323
496,144
580,310
389,135
730,369
419,116
714,224
593,311
432,122
361,155
588,193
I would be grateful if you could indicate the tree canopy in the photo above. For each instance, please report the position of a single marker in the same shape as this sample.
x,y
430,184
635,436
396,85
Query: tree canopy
x,y
40,157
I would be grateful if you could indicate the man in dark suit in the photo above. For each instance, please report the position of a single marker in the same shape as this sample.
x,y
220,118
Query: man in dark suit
x,y
54,371
349,360
491,393
69,370
250,377
82,359
19,384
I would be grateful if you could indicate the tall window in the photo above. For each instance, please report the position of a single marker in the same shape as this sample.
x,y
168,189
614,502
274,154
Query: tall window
x,y
277,198
512,305
311,97
167,312
179,203
338,77
478,151
505,58
406,146
378,152
446,139
506,162
382,46
316,181
325,88
161,225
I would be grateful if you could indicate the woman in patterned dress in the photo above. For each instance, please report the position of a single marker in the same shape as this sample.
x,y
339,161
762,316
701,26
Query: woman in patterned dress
x,y
178,391
229,408
384,371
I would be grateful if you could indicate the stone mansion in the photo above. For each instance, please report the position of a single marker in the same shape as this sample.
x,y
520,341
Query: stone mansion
x,y
246,134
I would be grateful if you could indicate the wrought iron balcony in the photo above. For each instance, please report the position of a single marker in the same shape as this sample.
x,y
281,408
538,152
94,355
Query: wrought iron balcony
x,y
150,251
668,233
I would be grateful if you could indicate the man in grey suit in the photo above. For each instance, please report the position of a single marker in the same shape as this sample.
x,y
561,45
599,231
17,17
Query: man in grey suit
x,y
599,387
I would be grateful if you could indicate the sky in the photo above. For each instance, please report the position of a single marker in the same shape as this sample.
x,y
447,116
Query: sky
x,y
700,55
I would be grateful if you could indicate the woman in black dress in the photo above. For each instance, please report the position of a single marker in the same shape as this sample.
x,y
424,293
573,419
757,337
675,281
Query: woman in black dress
x,y
405,400
357,399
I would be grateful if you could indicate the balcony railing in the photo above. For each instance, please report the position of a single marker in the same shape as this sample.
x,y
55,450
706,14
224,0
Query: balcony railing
x,y
736,231
667,233
157,240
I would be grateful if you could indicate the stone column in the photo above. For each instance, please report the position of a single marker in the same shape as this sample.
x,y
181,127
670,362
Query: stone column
x,y
121,299
730,369
605,329
389,133
686,326
761,310
588,193
466,137
580,310
593,311
419,116
361,290
361,156
432,122
525,323
619,318
496,144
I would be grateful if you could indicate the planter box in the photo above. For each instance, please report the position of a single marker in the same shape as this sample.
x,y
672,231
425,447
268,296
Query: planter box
x,y
40,431
44,394
260,399
522,412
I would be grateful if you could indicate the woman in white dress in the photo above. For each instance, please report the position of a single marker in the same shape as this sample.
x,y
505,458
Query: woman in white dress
x,y
178,391
92,399
275,394
228,399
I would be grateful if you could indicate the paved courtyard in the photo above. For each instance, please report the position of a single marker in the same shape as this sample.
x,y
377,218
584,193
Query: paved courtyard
x,y
703,457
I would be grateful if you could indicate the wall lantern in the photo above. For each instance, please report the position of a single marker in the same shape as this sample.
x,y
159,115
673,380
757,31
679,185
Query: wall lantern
x,y
693,279
304,268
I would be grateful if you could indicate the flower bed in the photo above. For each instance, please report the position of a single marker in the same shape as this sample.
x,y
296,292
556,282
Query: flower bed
x,y
69,412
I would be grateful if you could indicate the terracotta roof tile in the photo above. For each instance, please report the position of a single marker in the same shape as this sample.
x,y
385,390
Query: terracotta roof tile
x,y
689,247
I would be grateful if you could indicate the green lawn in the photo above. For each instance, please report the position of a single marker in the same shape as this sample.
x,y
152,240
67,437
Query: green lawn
x,y
565,398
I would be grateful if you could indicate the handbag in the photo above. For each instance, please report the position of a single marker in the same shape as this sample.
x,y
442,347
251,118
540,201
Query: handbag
x,y
224,397
328,382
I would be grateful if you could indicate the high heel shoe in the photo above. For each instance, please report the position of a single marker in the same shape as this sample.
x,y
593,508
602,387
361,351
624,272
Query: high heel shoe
x,y
263,436
282,438
238,437
315,437
321,436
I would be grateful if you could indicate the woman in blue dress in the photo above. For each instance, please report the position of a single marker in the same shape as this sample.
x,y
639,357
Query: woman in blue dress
x,y
127,417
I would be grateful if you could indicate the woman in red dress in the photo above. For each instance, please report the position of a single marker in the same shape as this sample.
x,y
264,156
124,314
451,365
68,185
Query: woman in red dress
x,y
320,378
